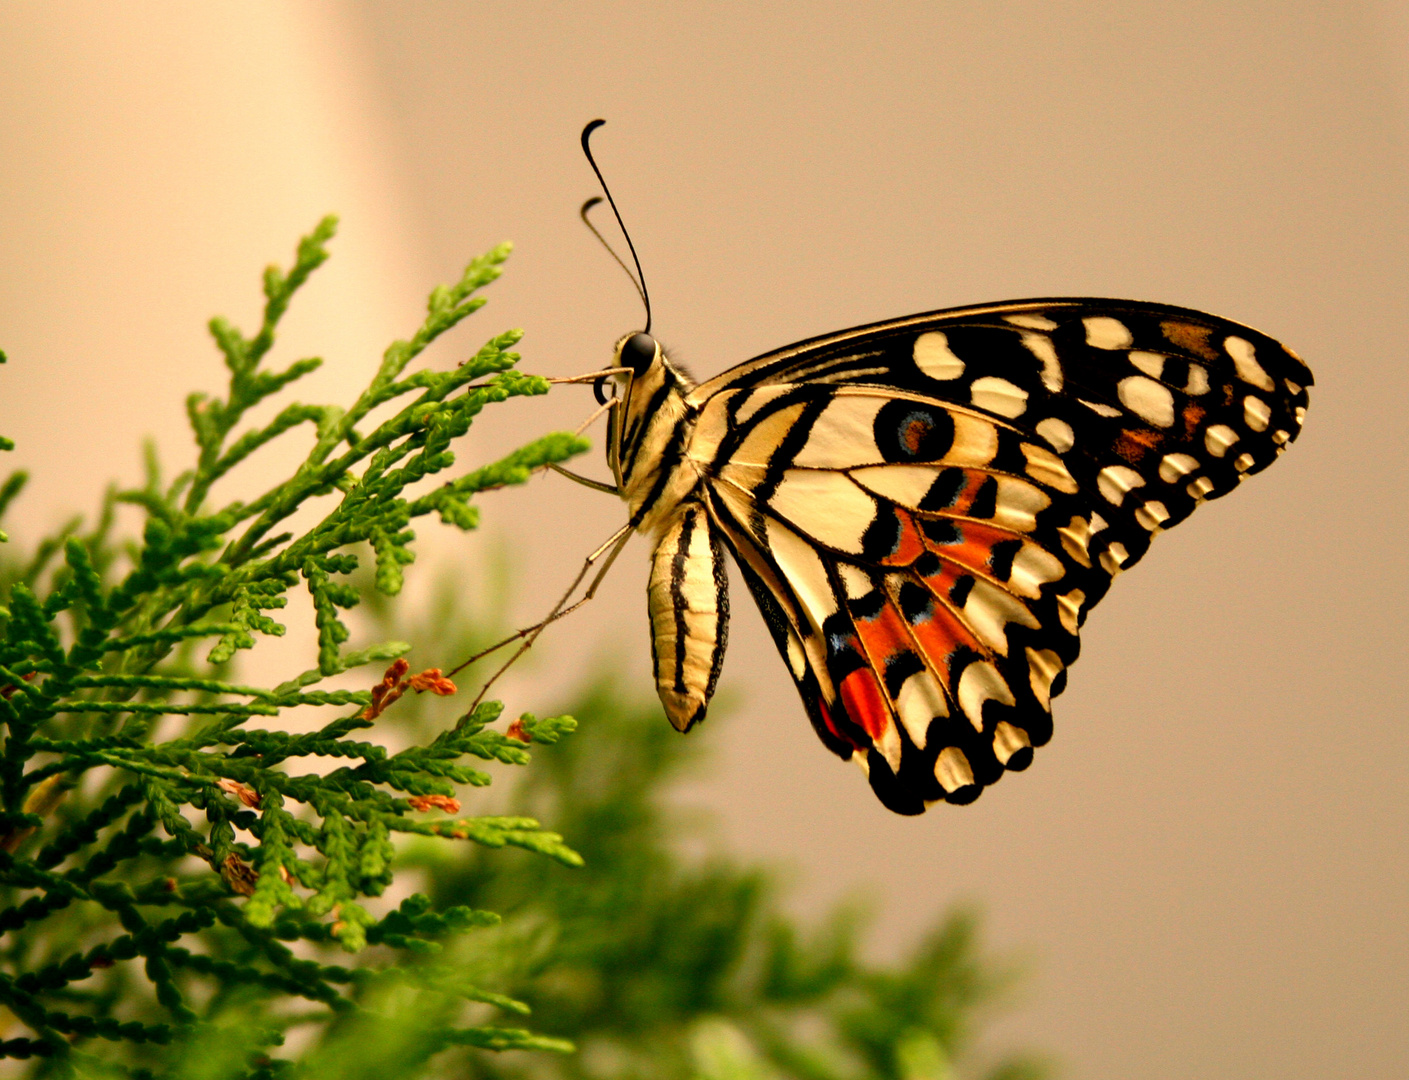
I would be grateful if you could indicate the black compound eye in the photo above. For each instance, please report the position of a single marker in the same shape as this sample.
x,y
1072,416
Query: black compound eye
x,y
638,353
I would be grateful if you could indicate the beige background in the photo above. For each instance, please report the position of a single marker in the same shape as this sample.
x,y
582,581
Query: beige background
x,y
1208,867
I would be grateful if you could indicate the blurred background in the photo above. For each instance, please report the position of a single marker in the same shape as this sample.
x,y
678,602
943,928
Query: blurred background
x,y
1208,868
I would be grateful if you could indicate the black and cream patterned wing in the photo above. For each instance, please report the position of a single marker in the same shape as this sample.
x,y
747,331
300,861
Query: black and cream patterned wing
x,y
893,543
926,510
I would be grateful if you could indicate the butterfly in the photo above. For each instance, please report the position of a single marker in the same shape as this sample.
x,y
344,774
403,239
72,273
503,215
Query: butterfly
x,y
927,509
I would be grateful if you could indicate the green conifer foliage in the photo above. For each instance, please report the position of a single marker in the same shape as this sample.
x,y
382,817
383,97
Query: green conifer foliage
x,y
177,884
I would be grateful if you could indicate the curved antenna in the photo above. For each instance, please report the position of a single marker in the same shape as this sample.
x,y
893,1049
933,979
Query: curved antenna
x,y
582,213
640,276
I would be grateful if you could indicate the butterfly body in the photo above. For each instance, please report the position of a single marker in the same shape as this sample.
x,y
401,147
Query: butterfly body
x,y
926,509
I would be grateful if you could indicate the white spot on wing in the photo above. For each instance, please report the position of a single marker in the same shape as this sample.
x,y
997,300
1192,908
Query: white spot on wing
x,y
1152,515
1113,558
855,581
989,610
998,396
1198,381
1218,438
1245,360
1076,540
1174,467
1199,489
1058,433
1099,409
1008,740
1048,469
1115,480
920,700
1256,413
1043,667
1033,567
1147,399
1151,363
1244,462
1069,609
979,683
889,745
797,659
1103,332
1019,503
975,442
935,358
951,769
1031,322
1040,345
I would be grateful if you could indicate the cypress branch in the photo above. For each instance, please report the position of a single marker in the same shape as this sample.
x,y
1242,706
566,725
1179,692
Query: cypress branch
x,y
125,755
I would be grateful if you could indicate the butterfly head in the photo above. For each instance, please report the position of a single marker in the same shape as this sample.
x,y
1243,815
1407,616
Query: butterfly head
x,y
638,352
648,406
642,361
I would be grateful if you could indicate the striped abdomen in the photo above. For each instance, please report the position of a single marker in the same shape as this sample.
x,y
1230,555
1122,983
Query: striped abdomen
x,y
689,607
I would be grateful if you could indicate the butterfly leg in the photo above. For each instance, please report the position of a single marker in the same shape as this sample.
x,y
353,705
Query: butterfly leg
x,y
592,376
585,481
610,549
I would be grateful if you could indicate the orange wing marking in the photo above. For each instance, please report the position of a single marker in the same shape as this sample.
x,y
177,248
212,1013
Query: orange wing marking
x,y
911,544
865,704
883,636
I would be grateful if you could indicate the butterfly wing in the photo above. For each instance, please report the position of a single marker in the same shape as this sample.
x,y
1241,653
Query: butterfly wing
x,y
927,509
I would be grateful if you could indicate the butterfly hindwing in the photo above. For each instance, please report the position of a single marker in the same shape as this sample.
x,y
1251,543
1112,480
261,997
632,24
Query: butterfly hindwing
x,y
908,596
927,509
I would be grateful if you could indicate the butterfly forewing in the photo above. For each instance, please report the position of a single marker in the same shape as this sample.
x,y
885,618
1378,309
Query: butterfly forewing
x,y
926,509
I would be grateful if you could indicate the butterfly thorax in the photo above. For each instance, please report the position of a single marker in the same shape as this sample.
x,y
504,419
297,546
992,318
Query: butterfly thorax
x,y
649,434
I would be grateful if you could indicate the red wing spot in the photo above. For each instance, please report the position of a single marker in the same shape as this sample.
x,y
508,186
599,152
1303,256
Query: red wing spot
x,y
1134,445
883,636
913,435
831,725
861,696
943,580
939,637
974,545
1193,417
911,544
964,501
1191,337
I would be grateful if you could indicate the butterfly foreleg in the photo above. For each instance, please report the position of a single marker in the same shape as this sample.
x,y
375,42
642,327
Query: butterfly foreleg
x,y
585,481
592,376
610,549
689,607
